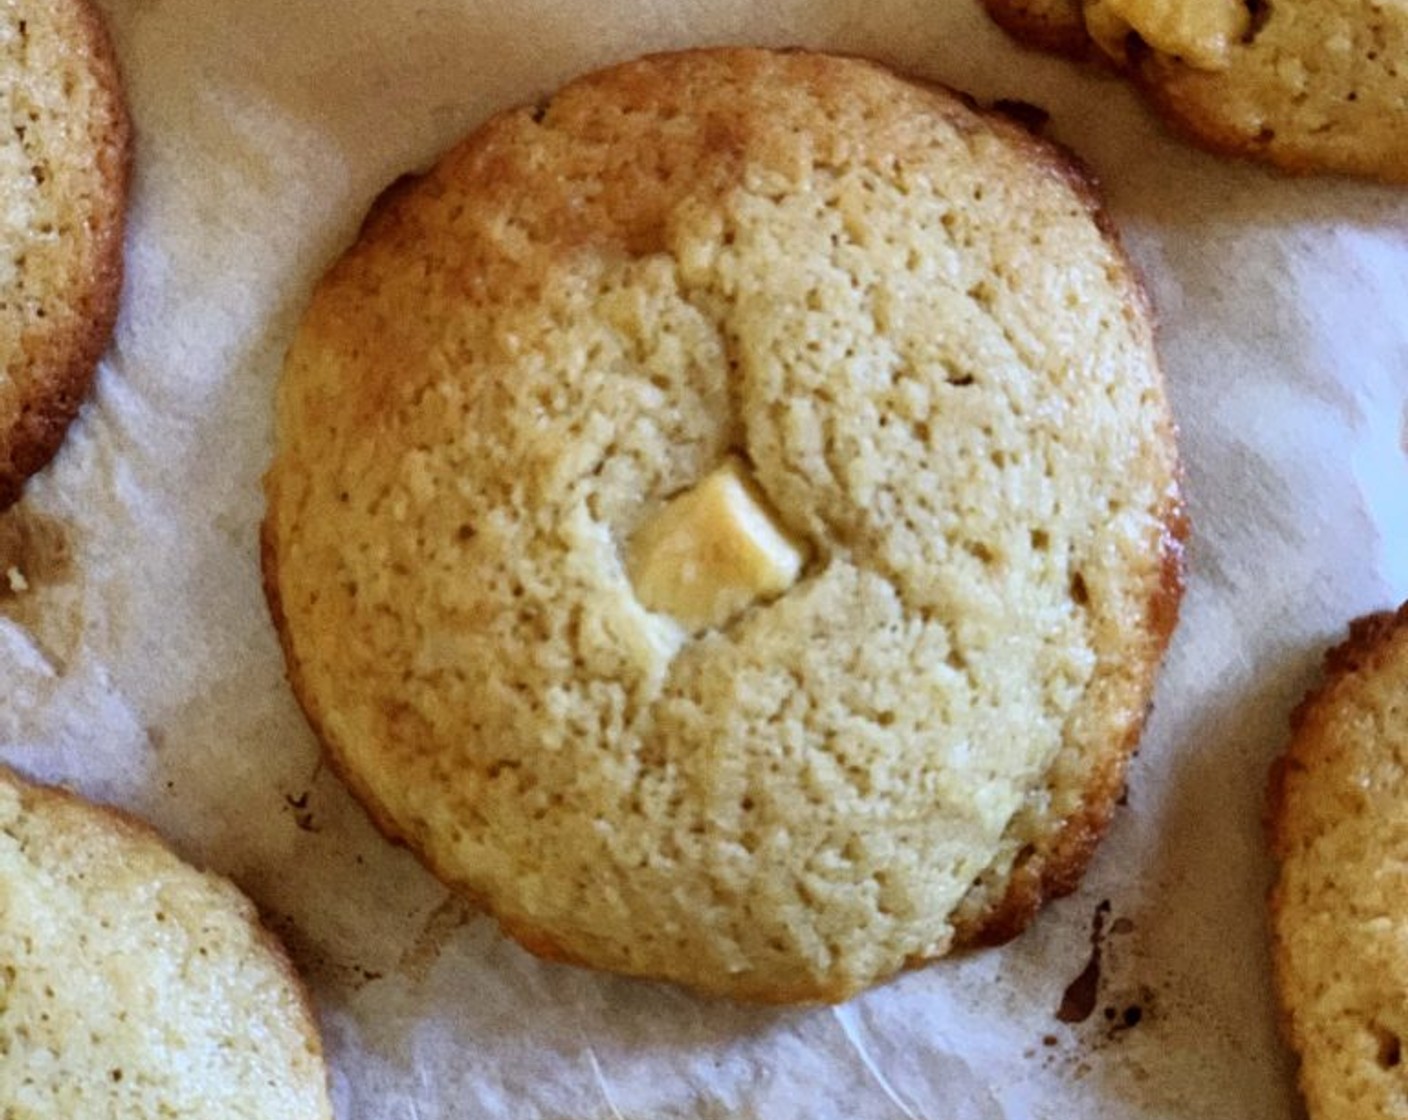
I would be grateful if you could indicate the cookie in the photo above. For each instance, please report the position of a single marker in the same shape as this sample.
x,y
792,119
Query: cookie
x,y
133,985
1339,910
63,187
725,519
1306,85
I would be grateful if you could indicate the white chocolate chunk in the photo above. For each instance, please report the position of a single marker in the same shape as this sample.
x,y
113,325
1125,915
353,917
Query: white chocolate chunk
x,y
712,551
1200,32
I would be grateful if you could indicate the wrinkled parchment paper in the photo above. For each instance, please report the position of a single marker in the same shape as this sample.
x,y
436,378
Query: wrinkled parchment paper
x,y
137,661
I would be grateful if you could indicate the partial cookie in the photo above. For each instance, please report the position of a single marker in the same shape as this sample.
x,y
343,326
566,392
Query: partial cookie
x,y
63,188
133,986
1339,911
1307,85
725,518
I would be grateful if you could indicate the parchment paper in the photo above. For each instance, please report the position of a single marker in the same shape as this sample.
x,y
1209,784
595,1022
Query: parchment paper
x,y
140,666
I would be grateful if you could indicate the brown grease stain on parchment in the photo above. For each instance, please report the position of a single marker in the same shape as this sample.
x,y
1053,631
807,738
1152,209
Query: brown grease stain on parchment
x,y
440,926
1079,999
34,551
1082,996
318,964
312,961
39,588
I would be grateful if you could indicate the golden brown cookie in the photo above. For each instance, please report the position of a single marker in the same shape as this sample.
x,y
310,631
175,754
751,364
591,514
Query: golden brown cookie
x,y
133,985
63,188
1306,85
725,519
1339,911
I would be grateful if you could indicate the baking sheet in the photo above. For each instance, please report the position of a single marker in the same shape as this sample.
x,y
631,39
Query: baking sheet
x,y
138,662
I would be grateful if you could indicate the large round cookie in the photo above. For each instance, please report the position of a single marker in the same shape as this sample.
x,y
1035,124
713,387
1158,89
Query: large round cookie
x,y
63,187
725,519
133,986
1306,85
1339,822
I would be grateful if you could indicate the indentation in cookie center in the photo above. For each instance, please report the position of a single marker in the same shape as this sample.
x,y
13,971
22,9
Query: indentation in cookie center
x,y
712,551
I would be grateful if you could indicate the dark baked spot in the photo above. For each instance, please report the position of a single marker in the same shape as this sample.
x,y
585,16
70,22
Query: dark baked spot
x,y
302,815
1259,12
1031,117
1389,1048
383,207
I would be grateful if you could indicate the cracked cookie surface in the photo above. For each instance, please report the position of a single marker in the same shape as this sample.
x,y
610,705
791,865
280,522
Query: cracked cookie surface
x,y
907,323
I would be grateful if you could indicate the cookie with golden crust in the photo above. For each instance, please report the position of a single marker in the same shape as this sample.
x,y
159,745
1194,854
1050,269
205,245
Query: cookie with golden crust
x,y
725,518
1339,911
133,985
1306,85
63,189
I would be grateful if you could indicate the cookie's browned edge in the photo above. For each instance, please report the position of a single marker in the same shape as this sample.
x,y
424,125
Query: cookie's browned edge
x,y
269,570
64,351
1367,639
382,208
1051,871
1055,868
131,827
1057,27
